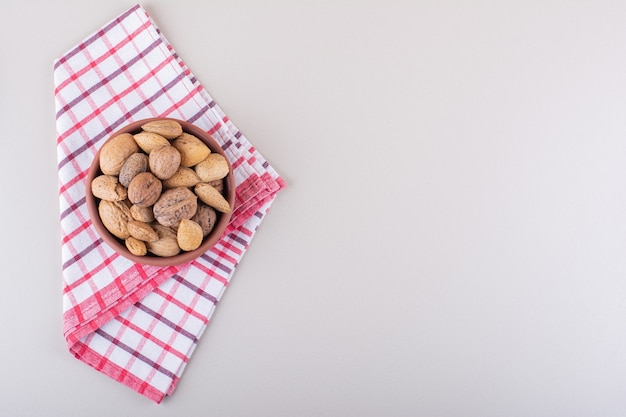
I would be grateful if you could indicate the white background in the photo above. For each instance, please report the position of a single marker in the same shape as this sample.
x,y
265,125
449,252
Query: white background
x,y
452,239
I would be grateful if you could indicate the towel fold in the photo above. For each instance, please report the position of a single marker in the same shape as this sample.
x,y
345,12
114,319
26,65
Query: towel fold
x,y
136,323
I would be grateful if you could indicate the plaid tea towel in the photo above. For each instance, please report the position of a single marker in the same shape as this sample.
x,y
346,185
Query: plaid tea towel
x,y
135,323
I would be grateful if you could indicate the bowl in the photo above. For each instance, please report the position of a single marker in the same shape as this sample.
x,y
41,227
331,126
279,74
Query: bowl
x,y
118,245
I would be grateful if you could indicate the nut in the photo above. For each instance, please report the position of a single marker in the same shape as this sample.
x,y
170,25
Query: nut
x,y
143,214
205,216
135,164
213,167
115,216
169,129
136,246
107,187
192,150
142,231
144,190
149,141
189,235
175,205
218,185
164,161
166,245
114,153
184,177
150,185
210,196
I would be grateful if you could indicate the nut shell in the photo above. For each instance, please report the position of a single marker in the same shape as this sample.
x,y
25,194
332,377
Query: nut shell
x,y
115,216
189,235
213,167
114,153
136,246
144,190
211,197
142,231
192,150
164,161
206,217
107,187
166,245
143,214
183,177
135,164
175,205
167,128
149,141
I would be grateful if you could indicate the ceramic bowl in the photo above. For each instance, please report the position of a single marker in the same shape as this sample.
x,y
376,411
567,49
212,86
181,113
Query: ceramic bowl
x,y
118,245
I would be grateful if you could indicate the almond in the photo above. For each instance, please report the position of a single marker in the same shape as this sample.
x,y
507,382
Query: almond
x,y
143,214
184,177
189,235
213,167
142,231
166,245
211,197
135,164
167,128
136,246
192,150
149,141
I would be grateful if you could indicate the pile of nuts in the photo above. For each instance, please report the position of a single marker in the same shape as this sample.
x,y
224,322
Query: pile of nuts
x,y
150,186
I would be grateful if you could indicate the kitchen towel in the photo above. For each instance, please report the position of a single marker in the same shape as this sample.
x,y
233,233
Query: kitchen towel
x,y
135,323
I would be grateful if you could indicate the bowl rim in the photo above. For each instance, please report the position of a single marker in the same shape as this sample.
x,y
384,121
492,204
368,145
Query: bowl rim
x,y
183,257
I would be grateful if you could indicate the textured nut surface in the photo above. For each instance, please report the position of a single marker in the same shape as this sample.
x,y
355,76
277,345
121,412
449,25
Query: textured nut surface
x,y
211,197
218,185
206,217
114,153
142,231
183,177
189,235
136,246
143,214
169,129
175,205
149,141
115,216
144,190
213,167
192,150
107,187
164,161
166,245
135,164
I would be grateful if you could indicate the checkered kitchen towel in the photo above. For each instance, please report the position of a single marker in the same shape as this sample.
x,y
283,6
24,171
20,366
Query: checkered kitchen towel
x,y
140,324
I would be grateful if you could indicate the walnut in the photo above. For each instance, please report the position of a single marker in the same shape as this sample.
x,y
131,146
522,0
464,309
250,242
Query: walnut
x,y
144,190
206,217
115,216
164,161
174,205
115,152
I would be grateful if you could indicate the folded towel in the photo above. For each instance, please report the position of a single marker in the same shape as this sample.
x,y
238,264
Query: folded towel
x,y
136,323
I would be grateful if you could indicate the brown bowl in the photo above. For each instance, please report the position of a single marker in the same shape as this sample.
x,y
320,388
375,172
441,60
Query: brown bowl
x,y
149,259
